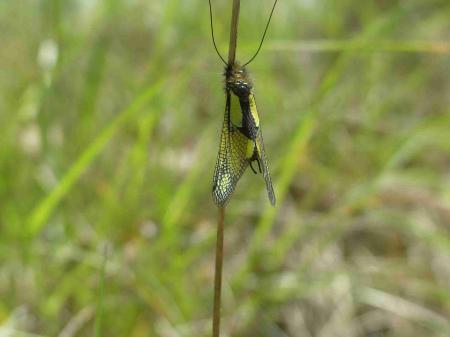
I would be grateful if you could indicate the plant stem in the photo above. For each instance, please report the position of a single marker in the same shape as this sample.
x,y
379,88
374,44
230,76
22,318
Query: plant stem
x,y
218,272
234,31
221,214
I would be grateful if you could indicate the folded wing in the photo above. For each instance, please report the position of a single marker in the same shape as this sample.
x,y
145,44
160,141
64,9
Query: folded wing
x,y
231,160
261,152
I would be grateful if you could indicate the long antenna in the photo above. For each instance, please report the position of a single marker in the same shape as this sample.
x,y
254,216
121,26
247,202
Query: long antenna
x,y
212,33
264,34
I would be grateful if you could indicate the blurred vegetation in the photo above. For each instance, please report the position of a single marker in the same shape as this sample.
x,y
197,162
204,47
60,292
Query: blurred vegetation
x,y
110,113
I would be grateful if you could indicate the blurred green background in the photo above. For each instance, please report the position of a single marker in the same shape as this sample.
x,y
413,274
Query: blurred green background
x,y
110,115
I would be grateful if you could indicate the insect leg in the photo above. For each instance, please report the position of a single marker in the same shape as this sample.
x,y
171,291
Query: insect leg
x,y
259,165
254,171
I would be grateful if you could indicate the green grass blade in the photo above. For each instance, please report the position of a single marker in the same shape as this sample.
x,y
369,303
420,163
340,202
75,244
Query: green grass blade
x,y
41,213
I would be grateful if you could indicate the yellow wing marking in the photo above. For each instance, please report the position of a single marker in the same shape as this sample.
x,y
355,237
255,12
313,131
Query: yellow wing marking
x,y
235,110
253,109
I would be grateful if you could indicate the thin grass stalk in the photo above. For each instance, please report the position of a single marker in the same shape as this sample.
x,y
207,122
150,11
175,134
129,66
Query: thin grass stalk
x,y
100,300
221,214
233,31
218,273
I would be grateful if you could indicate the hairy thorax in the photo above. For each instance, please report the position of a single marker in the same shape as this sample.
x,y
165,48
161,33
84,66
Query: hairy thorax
x,y
238,81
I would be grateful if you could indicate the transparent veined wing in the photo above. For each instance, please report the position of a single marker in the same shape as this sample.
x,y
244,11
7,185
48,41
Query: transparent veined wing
x,y
231,160
265,167
262,153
